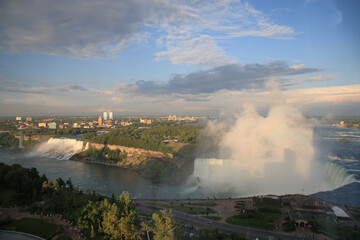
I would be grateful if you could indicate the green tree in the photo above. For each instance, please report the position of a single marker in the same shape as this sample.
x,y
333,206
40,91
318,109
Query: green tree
x,y
90,216
164,225
146,226
127,225
111,222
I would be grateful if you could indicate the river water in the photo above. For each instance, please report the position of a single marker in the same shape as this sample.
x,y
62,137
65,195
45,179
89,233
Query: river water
x,y
343,157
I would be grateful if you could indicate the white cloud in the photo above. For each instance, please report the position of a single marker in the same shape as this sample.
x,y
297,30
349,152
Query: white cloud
x,y
205,23
190,30
75,28
195,51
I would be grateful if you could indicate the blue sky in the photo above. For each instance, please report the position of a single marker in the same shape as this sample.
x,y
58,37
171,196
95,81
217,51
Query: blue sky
x,y
181,57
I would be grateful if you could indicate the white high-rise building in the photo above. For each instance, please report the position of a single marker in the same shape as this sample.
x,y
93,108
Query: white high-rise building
x,y
106,116
111,115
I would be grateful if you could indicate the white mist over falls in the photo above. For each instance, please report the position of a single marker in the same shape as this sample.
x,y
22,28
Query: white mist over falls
x,y
272,154
59,148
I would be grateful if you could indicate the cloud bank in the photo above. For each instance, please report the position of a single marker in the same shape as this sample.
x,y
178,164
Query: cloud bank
x,y
187,32
232,77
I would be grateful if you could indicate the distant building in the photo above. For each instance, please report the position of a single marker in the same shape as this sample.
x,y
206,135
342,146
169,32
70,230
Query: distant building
x,y
105,116
108,115
172,118
18,118
110,122
28,119
146,121
53,125
42,124
100,121
126,123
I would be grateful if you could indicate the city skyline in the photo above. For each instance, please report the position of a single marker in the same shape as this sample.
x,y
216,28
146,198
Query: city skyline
x,y
158,57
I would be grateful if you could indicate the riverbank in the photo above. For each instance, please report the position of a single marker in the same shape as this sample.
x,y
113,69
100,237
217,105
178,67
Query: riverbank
x,y
156,166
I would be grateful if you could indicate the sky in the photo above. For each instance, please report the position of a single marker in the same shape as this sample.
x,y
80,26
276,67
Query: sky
x,y
161,57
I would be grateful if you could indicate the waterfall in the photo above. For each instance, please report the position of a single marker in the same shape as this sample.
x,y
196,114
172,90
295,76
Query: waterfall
x,y
225,175
337,174
59,148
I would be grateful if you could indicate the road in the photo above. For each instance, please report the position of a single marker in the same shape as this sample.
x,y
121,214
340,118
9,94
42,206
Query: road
x,y
250,233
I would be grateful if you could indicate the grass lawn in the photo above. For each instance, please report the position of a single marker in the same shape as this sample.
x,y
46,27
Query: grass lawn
x,y
32,226
144,213
204,204
334,229
215,218
263,218
184,209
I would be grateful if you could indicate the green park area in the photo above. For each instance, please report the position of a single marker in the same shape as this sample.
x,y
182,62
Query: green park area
x,y
32,226
184,208
329,226
264,218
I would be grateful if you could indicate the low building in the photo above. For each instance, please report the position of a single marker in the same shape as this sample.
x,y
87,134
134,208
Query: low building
x,y
53,125
301,218
126,123
340,213
42,124
18,118
110,122
146,121
28,119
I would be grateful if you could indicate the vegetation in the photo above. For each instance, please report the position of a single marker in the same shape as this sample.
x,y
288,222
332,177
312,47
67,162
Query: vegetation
x,y
8,140
288,224
105,155
89,135
206,204
159,170
351,122
214,234
164,225
19,185
99,217
343,232
185,209
32,226
149,138
263,218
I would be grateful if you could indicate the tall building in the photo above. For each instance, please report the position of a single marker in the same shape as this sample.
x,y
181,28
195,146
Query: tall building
x,y
28,119
100,122
18,118
106,116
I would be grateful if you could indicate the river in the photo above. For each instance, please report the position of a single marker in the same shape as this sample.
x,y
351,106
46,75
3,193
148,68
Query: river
x,y
344,157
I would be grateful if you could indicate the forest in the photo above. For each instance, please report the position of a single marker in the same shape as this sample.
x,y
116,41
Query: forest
x,y
151,138
98,217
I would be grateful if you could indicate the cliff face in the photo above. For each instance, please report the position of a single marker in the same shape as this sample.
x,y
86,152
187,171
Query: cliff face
x,y
131,152
136,158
